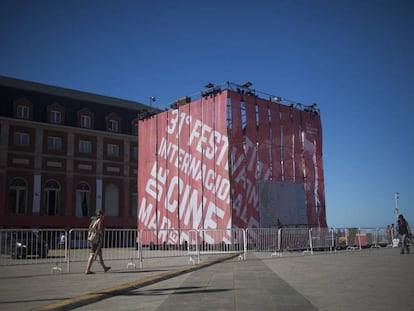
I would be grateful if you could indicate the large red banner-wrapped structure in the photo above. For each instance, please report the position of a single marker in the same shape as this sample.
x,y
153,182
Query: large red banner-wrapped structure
x,y
229,160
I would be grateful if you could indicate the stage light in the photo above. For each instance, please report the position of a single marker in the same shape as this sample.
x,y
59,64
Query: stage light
x,y
250,93
212,90
247,84
274,99
180,102
145,113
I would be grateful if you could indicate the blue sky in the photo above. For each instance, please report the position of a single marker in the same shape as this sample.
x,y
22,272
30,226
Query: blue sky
x,y
353,58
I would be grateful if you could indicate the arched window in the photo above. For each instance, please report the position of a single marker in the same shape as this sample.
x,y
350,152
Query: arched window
x,y
111,200
113,123
85,118
52,197
83,200
18,196
56,113
22,108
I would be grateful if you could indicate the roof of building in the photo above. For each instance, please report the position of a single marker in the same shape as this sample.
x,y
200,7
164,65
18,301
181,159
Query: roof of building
x,y
70,93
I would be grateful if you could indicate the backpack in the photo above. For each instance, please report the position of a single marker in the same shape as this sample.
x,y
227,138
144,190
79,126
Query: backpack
x,y
93,234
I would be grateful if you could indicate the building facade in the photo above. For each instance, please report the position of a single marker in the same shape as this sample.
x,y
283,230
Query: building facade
x,y
64,154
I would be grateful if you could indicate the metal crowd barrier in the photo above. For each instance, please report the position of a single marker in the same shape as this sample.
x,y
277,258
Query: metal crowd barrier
x,y
164,243
322,239
58,247
263,239
33,246
189,243
288,240
358,238
294,239
119,244
221,241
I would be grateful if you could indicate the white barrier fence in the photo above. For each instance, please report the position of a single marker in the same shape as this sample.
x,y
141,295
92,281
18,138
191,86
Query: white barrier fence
x,y
192,243
59,247
26,246
119,244
358,238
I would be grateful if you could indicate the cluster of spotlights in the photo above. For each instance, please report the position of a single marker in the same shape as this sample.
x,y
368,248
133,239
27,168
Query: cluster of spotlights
x,y
210,90
312,108
180,102
275,99
145,113
245,89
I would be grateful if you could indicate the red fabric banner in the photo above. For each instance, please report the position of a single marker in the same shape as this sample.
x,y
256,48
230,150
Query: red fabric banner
x,y
221,189
208,153
164,215
167,148
147,166
309,157
263,140
320,193
184,179
275,127
287,144
297,146
250,150
238,163
189,168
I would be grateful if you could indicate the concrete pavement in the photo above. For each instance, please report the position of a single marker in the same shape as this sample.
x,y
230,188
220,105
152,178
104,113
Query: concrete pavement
x,y
371,279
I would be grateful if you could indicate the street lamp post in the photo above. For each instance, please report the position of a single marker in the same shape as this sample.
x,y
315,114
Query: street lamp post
x,y
396,197
152,99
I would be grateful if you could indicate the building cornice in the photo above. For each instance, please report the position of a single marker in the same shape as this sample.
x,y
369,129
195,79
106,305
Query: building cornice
x,y
70,93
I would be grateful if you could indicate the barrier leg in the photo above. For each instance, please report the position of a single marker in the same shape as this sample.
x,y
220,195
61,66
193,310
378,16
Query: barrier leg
x,y
56,268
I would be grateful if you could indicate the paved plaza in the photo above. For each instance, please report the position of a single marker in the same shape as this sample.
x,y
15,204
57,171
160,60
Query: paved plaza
x,y
369,279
